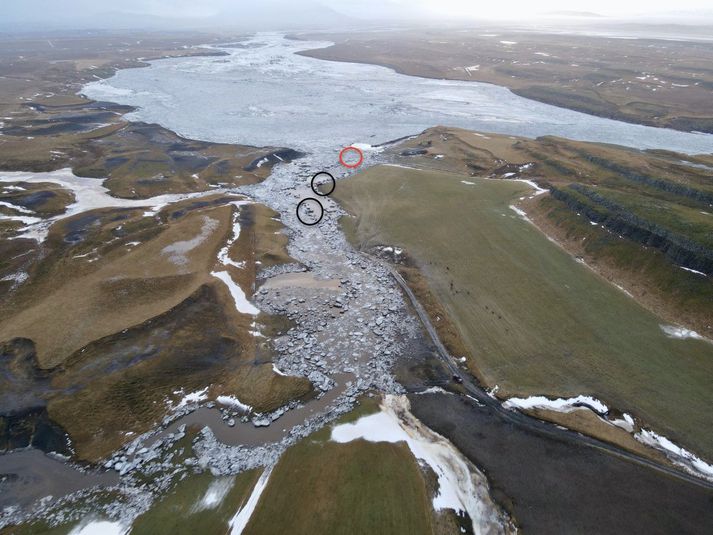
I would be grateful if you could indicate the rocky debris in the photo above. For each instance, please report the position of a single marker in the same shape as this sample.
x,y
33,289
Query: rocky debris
x,y
346,340
272,158
413,152
279,269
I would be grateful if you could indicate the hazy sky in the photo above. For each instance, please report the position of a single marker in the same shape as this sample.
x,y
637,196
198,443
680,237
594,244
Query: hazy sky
x,y
83,13
520,8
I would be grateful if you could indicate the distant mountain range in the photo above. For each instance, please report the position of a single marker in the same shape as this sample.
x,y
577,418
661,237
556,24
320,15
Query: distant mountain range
x,y
577,14
263,15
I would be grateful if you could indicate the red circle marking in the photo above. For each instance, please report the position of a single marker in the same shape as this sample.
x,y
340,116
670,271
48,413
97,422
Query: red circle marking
x,y
344,151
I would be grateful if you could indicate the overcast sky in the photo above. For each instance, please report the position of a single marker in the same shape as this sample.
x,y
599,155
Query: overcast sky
x,y
83,13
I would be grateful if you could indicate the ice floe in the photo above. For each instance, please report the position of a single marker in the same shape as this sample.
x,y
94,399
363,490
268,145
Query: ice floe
x,y
366,147
461,486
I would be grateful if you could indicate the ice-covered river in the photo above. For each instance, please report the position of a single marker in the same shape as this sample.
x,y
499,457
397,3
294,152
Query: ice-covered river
x,y
265,94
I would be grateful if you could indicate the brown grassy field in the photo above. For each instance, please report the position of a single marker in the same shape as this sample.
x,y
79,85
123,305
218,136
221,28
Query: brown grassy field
x,y
113,321
111,324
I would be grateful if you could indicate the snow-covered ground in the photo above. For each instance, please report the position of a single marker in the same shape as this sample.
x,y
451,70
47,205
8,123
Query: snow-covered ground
x,y
89,194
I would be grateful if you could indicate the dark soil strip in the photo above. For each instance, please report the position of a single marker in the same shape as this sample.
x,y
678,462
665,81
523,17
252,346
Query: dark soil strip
x,y
553,486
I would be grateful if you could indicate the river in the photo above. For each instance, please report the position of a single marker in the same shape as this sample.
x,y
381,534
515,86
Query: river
x,y
264,94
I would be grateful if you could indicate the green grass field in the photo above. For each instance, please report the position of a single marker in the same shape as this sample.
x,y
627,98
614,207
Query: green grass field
x,y
359,487
179,513
535,320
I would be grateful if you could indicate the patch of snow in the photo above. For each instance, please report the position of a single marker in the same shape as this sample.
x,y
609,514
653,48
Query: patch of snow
x,y
99,527
255,330
176,252
680,333
25,220
15,207
191,398
402,166
262,162
693,271
223,254
214,494
277,370
232,401
468,183
461,486
240,520
241,302
676,454
520,212
626,422
433,390
18,278
559,404
89,194
508,42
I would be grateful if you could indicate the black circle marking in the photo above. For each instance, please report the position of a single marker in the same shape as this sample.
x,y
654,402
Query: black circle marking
x,y
316,192
321,208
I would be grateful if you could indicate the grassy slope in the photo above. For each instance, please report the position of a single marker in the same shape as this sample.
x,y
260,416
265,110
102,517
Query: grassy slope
x,y
648,270
175,515
535,320
359,487
118,328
